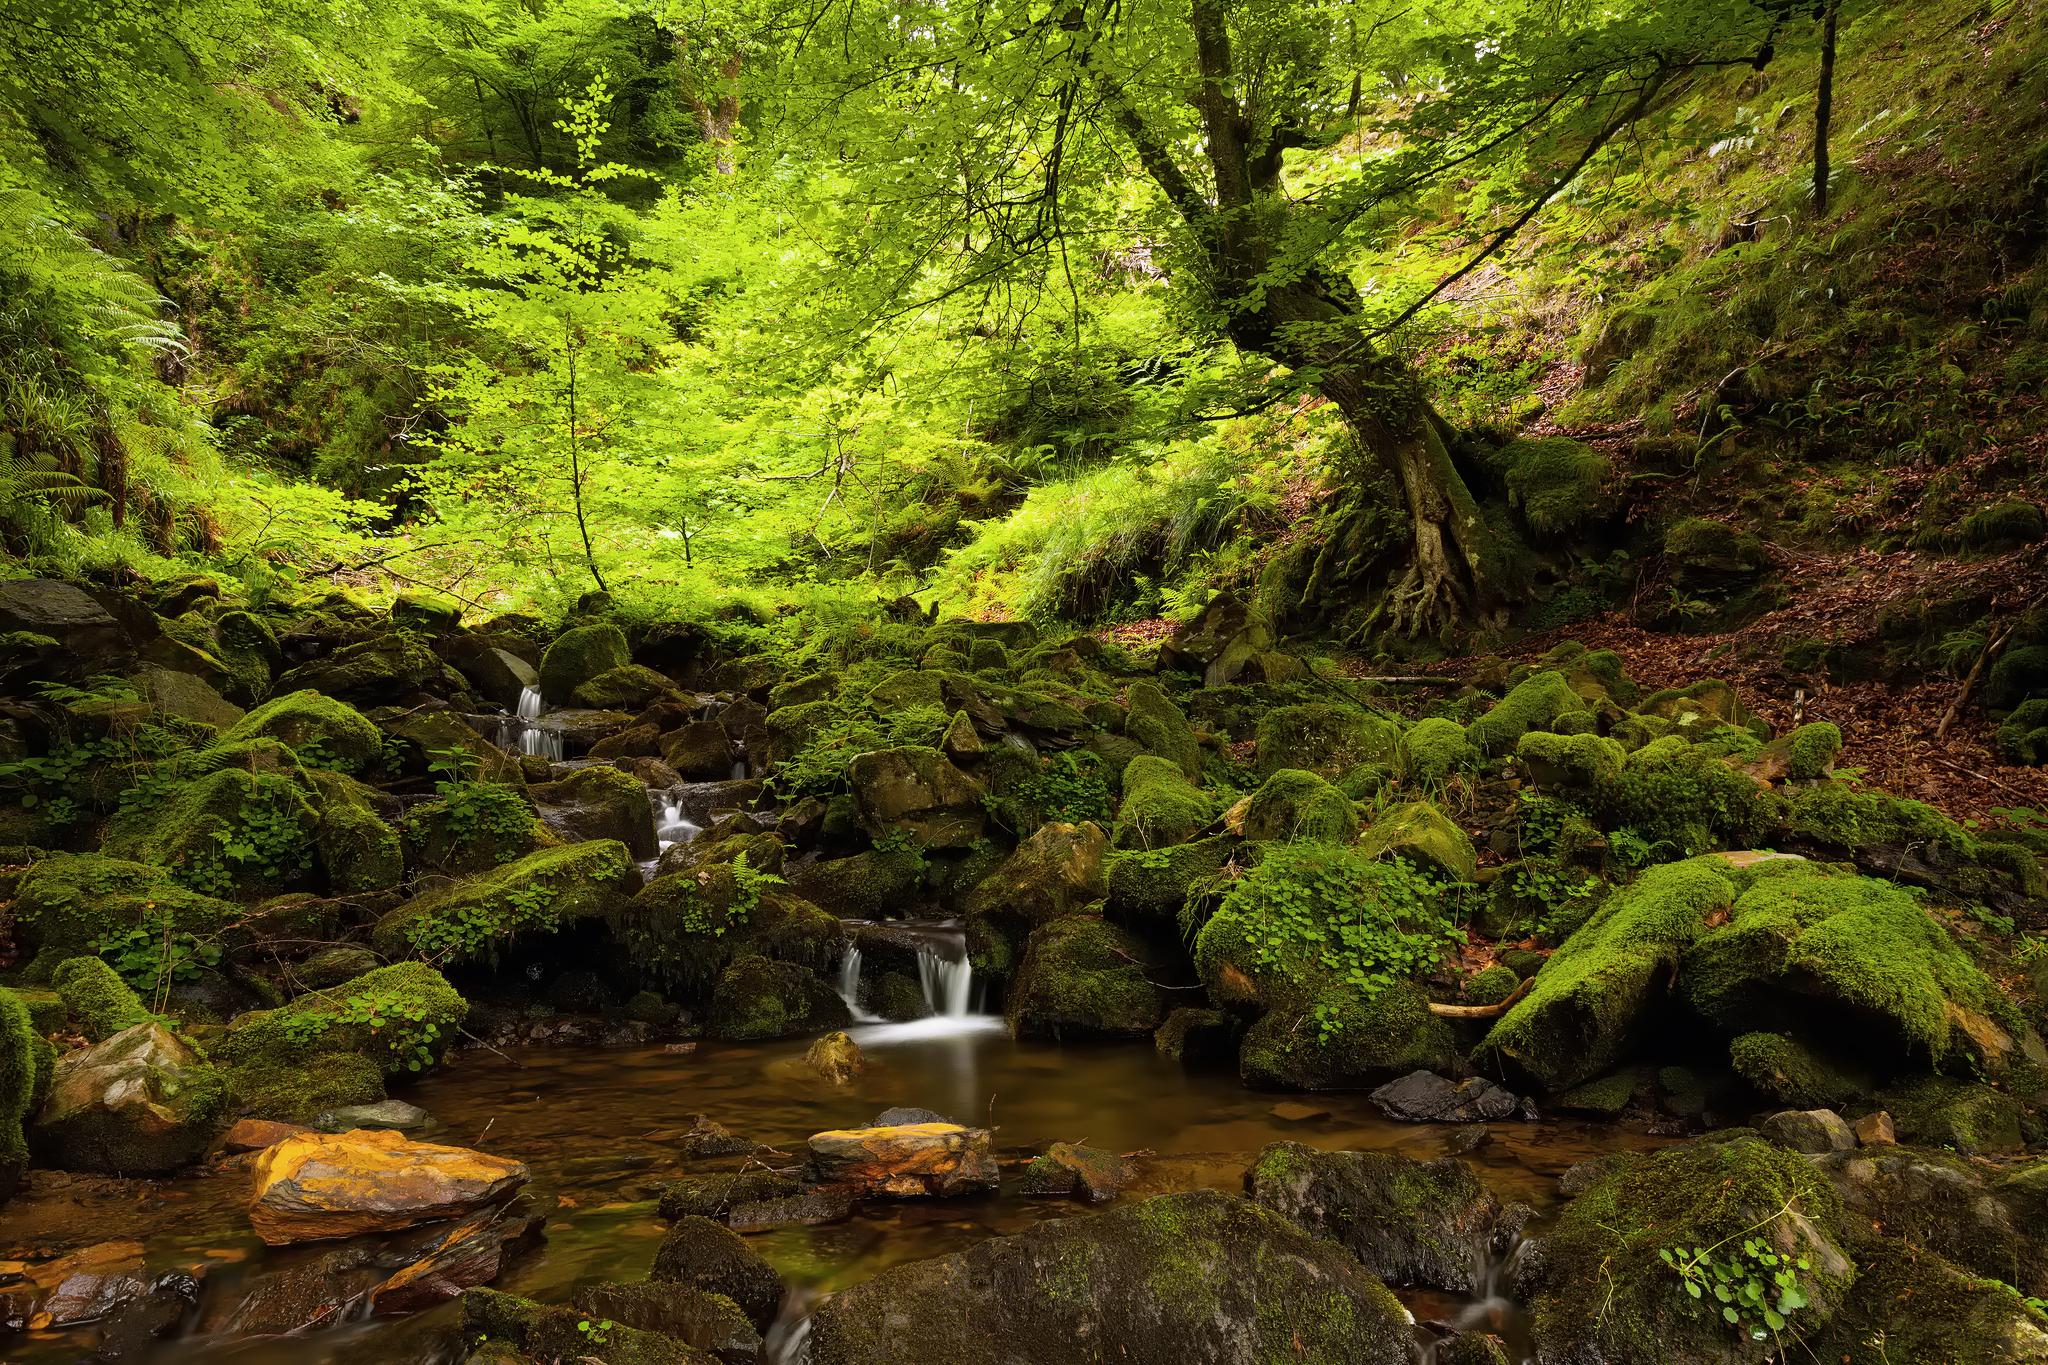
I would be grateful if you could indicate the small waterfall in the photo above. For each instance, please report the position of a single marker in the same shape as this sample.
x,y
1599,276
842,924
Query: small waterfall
x,y
849,986
522,733
671,826
948,982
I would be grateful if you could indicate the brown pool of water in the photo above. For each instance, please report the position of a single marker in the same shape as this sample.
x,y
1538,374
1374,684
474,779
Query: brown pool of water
x,y
597,1128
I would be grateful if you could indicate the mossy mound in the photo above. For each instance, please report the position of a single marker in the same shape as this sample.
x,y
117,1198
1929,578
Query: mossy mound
x,y
1583,762
1788,1071
1599,1286
684,929
1336,1039
1424,836
579,655
1965,1116
74,904
1159,727
319,728
1061,868
1542,701
1160,806
471,828
2023,735
1910,1304
758,999
473,919
1296,805
353,846
1154,884
24,1071
300,1090
1435,750
230,832
1686,798
1082,977
1556,483
1324,739
386,668
98,1003
632,687
399,1017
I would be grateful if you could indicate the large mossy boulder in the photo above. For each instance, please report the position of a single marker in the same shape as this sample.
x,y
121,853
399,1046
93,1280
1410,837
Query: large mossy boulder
x,y
1082,977
579,655
478,917
25,1068
1600,1287
1160,806
317,727
384,669
866,885
97,1002
1152,885
1335,1037
472,828
632,687
1422,834
400,1017
230,832
1325,739
684,929
1061,868
69,904
600,802
758,998
428,742
1205,1277
504,1329
141,1103
1161,728
1542,701
920,790
1911,1304
1412,1223
1293,804
354,847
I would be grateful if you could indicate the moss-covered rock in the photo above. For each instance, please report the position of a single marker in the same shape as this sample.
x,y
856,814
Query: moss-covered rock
x,y
1082,977
1911,1304
2023,735
1491,986
1584,762
1811,750
384,669
1615,1235
866,885
1580,1017
300,1090
1712,559
579,655
1161,728
321,729
229,832
1790,1072
684,929
472,827
1542,701
72,904
1334,1038
22,1054
537,1332
1160,806
1425,836
1324,739
757,998
97,1002
1153,884
631,687
600,802
355,849
1942,1111
1558,484
920,790
475,918
142,1102
1204,1276
1061,868
400,1017
1435,750
1688,798
1296,805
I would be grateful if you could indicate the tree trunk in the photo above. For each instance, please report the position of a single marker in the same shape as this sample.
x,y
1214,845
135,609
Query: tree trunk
x,y
1824,109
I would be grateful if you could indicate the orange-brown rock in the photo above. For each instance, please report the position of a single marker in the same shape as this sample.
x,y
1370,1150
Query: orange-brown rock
x,y
908,1160
472,1253
254,1135
835,1057
320,1185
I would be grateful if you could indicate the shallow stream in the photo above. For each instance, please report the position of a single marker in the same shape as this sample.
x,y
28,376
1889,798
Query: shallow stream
x,y
598,1129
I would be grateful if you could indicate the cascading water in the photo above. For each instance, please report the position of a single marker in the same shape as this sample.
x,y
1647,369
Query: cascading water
x,y
849,987
522,732
948,982
671,826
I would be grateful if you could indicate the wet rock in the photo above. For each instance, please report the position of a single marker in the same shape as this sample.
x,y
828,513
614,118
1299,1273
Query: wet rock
x,y
59,610
579,655
1206,1277
1069,1168
708,1138
709,1257
1058,870
141,1103
699,750
920,790
905,1161
1410,1222
807,1209
295,1298
579,727
1472,1348
1083,977
1912,1305
903,1115
253,1135
711,1323
836,1058
132,1329
396,1115
1294,1111
332,966
756,998
557,1332
317,1185
718,1194
1425,1097
1197,1037
472,1253
1809,1130
599,803
83,1286
1874,1130
492,672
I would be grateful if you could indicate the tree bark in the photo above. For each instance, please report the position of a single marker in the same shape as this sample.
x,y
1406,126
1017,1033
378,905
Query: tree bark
x,y
1824,109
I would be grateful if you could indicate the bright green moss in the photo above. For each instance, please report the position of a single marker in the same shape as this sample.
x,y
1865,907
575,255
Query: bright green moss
x,y
98,1002
1582,761
1684,798
1793,1074
20,1047
228,832
1160,806
1423,835
1577,1020
1803,933
1154,884
1811,750
1160,727
1435,750
1491,986
1296,805
472,827
1842,817
399,1017
355,849
1324,739
81,904
470,920
298,1090
1542,701
323,730
1557,483
2023,735
577,656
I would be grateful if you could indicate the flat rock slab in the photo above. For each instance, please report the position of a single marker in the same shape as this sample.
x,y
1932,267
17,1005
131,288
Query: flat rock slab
x,y
319,1185
809,1209
393,1114
472,1253
254,1135
1425,1097
908,1160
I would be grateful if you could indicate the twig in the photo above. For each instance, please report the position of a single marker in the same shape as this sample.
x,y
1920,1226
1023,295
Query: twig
x,y
1483,1011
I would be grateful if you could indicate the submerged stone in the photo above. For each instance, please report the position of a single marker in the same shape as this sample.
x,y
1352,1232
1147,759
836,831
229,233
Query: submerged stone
x,y
905,1161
